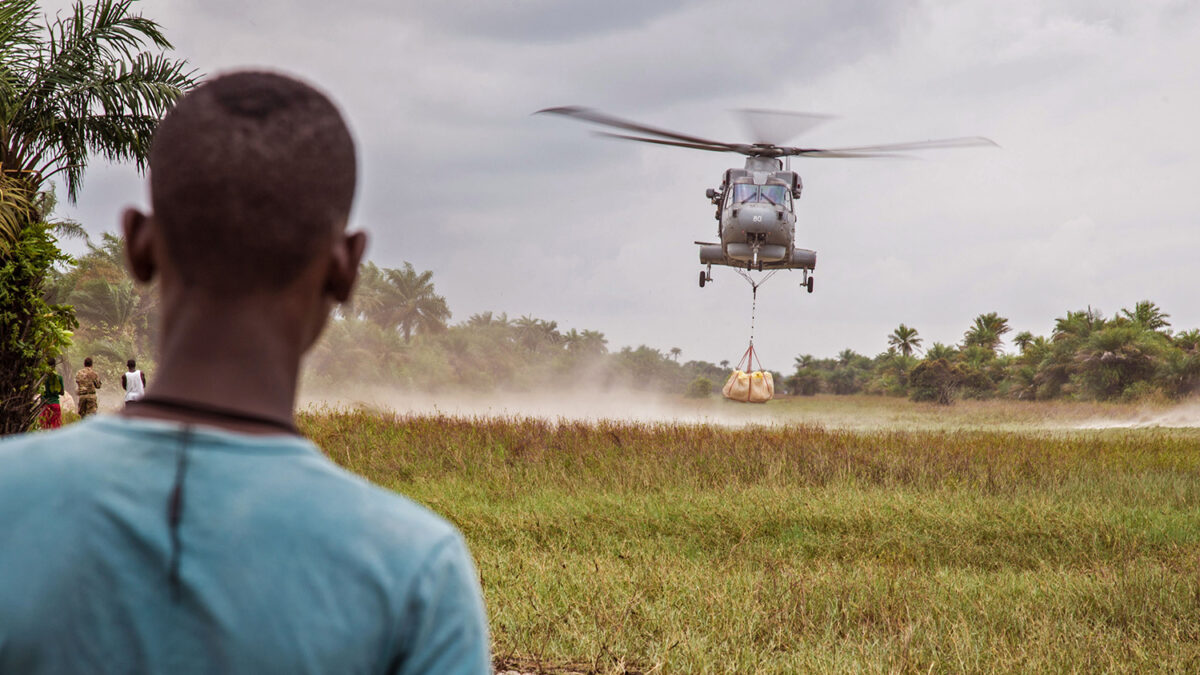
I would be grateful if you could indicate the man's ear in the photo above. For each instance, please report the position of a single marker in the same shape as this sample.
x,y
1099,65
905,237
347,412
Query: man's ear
x,y
347,253
139,245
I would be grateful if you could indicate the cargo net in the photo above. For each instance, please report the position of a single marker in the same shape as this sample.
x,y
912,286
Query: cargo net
x,y
746,383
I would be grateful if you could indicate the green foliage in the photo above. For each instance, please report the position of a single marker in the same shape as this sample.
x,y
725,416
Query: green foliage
x,y
1132,356
936,380
80,86
805,383
941,351
1148,316
987,331
701,387
118,320
400,299
32,328
77,87
905,339
1115,358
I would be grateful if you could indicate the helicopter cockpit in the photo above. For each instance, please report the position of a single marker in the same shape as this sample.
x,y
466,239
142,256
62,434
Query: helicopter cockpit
x,y
776,195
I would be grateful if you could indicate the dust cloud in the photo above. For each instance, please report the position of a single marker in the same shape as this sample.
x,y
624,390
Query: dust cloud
x,y
850,413
1181,416
626,405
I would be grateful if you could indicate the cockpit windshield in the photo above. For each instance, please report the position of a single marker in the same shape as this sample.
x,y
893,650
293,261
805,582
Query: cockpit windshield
x,y
771,194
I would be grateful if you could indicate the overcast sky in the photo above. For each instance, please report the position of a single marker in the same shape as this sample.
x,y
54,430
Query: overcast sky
x,y
1091,200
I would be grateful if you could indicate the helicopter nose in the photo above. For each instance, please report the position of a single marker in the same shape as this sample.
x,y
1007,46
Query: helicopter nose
x,y
756,217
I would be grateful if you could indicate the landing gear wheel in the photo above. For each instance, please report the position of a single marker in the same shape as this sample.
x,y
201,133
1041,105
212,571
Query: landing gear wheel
x,y
810,284
703,278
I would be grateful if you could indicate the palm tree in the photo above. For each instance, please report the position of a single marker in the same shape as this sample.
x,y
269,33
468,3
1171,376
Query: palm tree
x,y
1077,325
1188,340
1116,357
905,339
485,319
594,342
106,303
1023,340
588,342
401,299
416,306
534,333
79,86
675,352
369,297
1148,315
940,351
986,332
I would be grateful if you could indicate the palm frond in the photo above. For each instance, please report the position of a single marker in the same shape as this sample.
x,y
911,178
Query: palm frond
x,y
15,208
92,89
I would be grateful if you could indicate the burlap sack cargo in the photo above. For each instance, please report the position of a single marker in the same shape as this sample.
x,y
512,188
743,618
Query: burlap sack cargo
x,y
737,387
753,387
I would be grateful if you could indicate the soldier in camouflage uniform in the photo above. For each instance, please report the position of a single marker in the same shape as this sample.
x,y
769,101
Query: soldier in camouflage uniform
x,y
87,382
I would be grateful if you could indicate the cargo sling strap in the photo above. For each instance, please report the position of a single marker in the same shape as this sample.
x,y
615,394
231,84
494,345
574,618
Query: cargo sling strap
x,y
750,354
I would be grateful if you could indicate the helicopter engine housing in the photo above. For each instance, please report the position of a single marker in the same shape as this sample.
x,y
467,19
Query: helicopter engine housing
x,y
804,258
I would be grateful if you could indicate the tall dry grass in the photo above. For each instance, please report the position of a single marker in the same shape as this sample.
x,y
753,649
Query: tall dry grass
x,y
622,547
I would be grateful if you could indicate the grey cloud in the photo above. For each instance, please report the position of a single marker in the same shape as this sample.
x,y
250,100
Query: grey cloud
x,y
1093,103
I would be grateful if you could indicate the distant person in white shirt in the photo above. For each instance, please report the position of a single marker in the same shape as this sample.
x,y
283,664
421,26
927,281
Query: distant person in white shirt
x,y
133,382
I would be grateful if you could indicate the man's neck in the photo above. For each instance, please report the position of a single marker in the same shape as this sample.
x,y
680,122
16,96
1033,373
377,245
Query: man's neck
x,y
225,358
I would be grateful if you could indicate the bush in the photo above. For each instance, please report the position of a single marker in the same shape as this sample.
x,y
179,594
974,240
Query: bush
x,y
805,383
935,380
30,328
701,387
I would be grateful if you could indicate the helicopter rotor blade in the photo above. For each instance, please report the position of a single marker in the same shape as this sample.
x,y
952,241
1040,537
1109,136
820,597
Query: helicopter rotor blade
x,y
678,144
775,127
597,117
835,154
880,150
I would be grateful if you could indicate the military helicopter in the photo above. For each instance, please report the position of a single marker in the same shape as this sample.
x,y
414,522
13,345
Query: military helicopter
x,y
756,217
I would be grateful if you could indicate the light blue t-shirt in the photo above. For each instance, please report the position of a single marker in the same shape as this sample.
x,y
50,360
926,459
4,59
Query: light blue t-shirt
x,y
134,546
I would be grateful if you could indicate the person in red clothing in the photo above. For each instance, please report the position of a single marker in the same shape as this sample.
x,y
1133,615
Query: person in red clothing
x,y
51,414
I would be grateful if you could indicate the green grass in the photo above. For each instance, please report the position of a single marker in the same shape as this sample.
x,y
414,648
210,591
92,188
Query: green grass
x,y
620,547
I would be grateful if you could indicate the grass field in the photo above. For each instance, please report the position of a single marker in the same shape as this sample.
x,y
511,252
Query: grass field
x,y
982,538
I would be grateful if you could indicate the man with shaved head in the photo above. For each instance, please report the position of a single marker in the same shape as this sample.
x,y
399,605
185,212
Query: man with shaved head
x,y
197,531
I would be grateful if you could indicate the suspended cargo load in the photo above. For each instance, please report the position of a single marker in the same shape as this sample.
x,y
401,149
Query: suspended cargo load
x,y
749,386
754,387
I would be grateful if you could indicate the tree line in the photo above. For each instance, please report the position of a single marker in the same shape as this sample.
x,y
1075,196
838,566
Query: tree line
x,y
1129,356
396,331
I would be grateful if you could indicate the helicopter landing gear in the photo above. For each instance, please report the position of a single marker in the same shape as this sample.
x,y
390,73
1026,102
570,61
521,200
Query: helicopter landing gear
x,y
809,284
702,279
705,276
